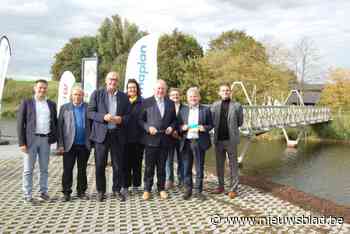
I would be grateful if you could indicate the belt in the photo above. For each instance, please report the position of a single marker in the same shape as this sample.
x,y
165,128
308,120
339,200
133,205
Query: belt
x,y
192,140
41,135
113,130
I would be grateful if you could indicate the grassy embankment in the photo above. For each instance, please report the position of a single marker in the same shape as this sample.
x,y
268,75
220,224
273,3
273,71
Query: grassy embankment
x,y
16,91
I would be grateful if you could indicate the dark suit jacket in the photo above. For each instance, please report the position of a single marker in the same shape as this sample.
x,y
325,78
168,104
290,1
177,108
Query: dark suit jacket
x,y
135,132
150,117
234,120
26,122
204,119
98,108
66,127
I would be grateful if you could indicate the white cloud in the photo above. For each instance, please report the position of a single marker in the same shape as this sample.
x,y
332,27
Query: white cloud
x,y
38,29
33,8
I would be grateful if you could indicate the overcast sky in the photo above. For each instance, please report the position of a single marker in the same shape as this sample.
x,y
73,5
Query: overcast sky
x,y
38,29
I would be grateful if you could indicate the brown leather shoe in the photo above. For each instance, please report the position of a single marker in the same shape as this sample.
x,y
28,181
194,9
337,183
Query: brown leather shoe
x,y
218,190
163,195
232,195
146,196
169,185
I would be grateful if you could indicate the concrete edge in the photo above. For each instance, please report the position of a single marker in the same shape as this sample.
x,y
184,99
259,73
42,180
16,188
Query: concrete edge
x,y
299,198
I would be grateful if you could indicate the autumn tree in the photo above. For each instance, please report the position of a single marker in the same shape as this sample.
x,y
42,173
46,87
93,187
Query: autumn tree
x,y
236,56
336,93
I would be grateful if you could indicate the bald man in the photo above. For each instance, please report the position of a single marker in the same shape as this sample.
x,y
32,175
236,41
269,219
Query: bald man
x,y
158,119
109,109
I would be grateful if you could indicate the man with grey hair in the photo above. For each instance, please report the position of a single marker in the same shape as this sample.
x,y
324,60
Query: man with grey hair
x,y
195,123
158,120
227,117
109,110
73,142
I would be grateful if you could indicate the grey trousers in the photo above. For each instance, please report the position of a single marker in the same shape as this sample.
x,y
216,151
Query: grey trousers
x,y
223,148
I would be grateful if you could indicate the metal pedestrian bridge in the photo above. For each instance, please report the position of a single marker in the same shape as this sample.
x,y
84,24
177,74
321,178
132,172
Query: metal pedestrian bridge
x,y
258,119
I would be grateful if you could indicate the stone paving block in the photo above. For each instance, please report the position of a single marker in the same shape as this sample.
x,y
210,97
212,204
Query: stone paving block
x,y
135,215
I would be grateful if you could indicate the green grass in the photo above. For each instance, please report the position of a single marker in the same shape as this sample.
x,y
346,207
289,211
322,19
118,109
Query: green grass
x,y
16,91
338,129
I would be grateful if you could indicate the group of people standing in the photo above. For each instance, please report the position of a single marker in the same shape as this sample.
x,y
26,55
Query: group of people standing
x,y
131,129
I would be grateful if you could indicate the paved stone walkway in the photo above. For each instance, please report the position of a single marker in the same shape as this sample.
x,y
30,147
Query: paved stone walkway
x,y
135,215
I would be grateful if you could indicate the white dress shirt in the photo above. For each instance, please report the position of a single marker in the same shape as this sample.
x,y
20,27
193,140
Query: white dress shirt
x,y
193,118
42,116
112,107
177,107
160,104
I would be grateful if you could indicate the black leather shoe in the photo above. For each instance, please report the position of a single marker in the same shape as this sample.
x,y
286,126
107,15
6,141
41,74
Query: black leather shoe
x,y
66,197
200,196
83,196
44,197
187,195
100,197
121,197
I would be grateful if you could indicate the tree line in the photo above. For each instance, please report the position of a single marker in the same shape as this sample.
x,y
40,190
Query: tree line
x,y
182,62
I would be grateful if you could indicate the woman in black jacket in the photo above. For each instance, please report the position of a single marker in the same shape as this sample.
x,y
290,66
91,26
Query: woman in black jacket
x,y
134,147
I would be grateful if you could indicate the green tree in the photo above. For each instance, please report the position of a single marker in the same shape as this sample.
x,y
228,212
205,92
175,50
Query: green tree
x,y
113,42
69,57
173,51
196,73
115,38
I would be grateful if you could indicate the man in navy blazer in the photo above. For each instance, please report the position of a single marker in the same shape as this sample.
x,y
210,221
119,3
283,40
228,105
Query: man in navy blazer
x,y
195,123
158,119
73,142
37,129
109,110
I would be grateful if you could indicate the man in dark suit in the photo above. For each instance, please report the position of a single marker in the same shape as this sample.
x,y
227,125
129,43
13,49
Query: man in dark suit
x,y
37,129
158,119
195,123
109,110
73,142
227,117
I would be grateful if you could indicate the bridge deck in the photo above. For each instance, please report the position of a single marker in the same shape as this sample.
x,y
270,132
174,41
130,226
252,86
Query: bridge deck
x,y
135,215
264,118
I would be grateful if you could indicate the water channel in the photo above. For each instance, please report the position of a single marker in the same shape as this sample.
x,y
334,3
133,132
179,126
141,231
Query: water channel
x,y
318,168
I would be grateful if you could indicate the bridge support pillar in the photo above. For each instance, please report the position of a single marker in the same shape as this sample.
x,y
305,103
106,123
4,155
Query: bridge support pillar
x,y
244,151
292,143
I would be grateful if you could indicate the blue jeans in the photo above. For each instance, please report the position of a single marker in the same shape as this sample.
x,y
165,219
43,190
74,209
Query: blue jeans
x,y
169,167
193,154
40,149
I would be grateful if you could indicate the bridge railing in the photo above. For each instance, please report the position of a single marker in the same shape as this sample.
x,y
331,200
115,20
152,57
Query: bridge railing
x,y
264,118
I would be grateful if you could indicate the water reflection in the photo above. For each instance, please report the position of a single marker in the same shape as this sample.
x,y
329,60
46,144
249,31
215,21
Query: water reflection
x,y
316,168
